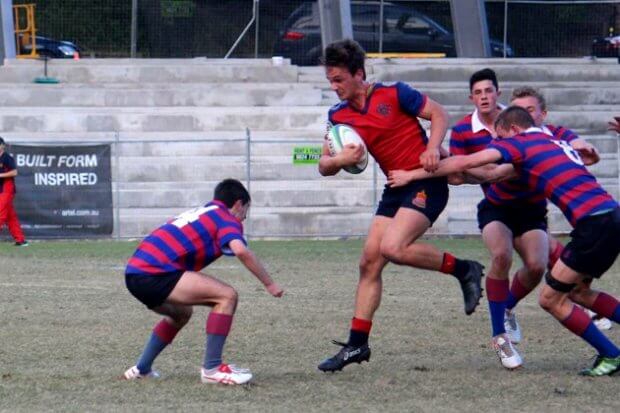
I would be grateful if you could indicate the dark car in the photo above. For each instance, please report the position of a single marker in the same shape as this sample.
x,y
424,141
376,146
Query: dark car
x,y
404,30
58,49
606,47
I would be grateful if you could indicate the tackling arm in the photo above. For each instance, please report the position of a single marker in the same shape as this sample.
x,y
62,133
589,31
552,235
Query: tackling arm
x,y
454,164
253,264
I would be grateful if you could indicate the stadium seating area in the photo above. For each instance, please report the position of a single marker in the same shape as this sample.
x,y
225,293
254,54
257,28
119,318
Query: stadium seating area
x,y
180,126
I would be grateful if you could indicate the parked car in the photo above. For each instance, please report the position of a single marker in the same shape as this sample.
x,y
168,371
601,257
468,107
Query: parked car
x,y
606,47
59,49
404,30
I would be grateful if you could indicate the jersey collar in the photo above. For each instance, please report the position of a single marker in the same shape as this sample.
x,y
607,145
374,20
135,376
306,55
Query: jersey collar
x,y
546,130
476,123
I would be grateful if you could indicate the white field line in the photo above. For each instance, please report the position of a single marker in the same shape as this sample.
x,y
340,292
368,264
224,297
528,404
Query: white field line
x,y
46,285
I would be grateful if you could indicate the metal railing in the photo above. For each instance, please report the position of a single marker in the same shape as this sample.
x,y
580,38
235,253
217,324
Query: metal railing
x,y
213,28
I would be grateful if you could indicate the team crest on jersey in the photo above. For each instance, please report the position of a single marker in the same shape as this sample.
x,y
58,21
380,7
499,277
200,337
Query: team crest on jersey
x,y
420,199
384,109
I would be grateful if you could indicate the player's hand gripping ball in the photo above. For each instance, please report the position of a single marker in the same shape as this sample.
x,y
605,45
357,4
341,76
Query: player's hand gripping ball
x,y
341,135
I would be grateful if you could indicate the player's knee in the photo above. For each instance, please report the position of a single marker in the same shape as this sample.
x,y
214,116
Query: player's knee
x,y
230,296
547,300
536,269
391,252
183,317
502,261
369,265
580,294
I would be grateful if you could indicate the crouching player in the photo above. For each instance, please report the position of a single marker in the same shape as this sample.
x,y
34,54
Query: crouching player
x,y
557,170
164,275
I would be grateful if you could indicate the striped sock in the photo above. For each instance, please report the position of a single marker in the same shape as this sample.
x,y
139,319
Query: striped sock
x,y
607,306
517,292
217,328
163,334
580,324
497,294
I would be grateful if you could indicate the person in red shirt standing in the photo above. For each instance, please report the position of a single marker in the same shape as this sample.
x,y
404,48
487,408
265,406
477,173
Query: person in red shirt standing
x,y
8,216
386,118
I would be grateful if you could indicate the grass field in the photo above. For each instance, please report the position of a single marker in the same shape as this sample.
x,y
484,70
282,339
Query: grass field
x,y
69,329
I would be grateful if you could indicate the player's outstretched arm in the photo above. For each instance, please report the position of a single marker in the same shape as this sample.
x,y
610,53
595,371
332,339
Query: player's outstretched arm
x,y
489,173
454,164
588,153
253,264
331,165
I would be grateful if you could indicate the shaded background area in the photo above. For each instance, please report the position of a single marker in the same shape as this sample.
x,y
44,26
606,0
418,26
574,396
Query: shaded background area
x,y
190,28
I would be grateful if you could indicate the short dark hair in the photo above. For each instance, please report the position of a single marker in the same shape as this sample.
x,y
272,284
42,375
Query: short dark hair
x,y
230,191
514,115
527,91
484,74
1,141
345,53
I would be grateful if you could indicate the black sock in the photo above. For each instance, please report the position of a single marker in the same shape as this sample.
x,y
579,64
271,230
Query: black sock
x,y
357,338
461,267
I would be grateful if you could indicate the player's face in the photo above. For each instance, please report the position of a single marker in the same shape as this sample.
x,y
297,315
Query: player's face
x,y
484,96
532,105
240,211
344,83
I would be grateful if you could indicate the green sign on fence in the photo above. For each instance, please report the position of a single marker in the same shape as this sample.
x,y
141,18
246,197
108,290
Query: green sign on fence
x,y
304,155
177,8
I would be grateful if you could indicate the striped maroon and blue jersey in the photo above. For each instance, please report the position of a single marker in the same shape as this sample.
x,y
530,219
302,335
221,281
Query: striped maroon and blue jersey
x,y
189,242
553,168
463,139
388,124
516,190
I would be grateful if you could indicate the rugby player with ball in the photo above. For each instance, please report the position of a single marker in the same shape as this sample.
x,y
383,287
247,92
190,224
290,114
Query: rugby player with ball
x,y
385,117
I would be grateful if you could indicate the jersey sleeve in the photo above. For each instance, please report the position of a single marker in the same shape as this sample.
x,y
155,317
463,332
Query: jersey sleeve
x,y
511,150
226,234
410,100
457,142
560,132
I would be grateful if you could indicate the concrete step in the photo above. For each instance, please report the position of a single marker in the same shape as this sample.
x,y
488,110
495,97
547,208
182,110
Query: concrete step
x,y
128,95
525,73
200,168
127,72
592,118
605,94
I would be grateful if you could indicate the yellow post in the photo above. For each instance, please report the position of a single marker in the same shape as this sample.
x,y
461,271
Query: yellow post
x,y
25,36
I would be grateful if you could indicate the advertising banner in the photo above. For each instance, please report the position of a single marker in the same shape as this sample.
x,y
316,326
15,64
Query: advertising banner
x,y
63,191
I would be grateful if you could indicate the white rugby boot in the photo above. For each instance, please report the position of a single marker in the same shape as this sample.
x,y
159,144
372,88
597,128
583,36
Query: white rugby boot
x,y
600,322
511,325
225,374
508,355
134,374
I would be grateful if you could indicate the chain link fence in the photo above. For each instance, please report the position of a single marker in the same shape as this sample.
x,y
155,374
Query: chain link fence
x,y
190,28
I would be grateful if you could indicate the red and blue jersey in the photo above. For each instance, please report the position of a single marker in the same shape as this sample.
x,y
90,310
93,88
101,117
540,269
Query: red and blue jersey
x,y
469,136
517,190
553,168
388,124
7,164
189,242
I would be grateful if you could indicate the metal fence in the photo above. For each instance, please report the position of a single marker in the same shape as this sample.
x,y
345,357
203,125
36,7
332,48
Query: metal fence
x,y
190,28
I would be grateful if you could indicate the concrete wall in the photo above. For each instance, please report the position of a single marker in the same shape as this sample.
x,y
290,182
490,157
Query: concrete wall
x,y
180,126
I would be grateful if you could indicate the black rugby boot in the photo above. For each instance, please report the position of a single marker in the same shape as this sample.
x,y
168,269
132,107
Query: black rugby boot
x,y
470,285
347,355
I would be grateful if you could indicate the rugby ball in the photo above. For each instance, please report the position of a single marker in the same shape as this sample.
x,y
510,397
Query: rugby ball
x,y
341,135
